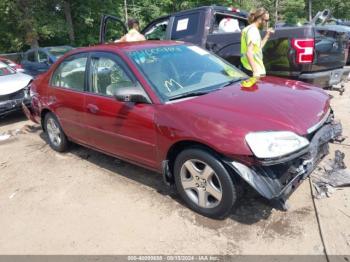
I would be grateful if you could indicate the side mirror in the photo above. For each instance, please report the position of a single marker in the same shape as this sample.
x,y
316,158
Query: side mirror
x,y
131,94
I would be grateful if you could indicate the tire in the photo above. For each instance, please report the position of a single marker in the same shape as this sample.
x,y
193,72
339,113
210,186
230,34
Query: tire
x,y
57,139
204,183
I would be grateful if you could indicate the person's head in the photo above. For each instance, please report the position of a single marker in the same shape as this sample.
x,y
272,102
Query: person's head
x,y
259,16
134,24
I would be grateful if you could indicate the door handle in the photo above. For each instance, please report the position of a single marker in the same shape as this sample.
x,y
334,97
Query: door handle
x,y
93,108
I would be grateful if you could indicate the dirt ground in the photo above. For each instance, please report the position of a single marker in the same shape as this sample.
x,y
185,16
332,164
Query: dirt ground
x,y
84,202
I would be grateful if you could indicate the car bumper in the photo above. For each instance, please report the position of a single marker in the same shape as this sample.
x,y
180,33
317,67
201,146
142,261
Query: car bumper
x,y
29,112
9,106
326,78
277,179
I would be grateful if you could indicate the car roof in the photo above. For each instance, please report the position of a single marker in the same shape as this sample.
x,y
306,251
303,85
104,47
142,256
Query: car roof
x,y
216,8
126,46
46,48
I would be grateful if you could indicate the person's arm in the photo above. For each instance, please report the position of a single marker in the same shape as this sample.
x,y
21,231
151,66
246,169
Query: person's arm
x,y
142,37
269,32
250,56
122,39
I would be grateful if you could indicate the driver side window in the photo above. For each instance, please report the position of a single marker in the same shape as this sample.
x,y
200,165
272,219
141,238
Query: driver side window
x,y
42,57
157,31
106,76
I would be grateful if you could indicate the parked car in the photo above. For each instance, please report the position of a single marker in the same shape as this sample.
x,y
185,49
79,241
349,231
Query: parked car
x,y
12,89
39,60
12,64
181,111
311,53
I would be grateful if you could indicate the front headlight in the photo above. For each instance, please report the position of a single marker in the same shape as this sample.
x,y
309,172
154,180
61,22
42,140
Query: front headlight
x,y
275,143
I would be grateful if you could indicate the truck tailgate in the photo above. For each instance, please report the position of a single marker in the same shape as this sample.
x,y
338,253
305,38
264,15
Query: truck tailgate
x,y
331,48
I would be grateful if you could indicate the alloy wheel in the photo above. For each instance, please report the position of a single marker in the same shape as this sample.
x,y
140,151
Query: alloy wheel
x,y
201,183
54,132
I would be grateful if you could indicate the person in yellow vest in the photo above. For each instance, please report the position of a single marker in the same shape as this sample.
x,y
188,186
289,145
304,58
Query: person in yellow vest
x,y
134,32
252,44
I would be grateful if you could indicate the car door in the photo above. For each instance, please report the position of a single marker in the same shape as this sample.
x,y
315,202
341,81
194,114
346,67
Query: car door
x,y
123,129
28,62
42,64
189,27
111,29
66,95
158,29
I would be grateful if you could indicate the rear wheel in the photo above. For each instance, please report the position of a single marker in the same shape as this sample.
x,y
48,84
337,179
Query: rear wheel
x,y
204,183
57,139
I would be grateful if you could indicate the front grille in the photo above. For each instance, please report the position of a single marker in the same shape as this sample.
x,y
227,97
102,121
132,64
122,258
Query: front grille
x,y
16,95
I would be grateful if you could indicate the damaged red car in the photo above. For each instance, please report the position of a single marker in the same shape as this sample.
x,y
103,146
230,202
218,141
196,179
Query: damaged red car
x,y
183,112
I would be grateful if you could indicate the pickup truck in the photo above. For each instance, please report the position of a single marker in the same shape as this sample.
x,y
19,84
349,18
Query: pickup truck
x,y
311,53
326,19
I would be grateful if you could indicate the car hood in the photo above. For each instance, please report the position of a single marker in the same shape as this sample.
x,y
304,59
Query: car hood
x,y
12,83
226,116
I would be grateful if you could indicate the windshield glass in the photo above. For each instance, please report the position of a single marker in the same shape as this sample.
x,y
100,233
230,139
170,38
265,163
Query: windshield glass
x,y
8,62
6,70
59,51
174,71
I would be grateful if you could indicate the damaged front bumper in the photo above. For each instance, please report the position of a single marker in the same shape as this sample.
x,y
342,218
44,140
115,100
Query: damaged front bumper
x,y
276,179
13,102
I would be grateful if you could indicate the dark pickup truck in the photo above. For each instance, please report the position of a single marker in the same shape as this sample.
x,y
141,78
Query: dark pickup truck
x,y
311,53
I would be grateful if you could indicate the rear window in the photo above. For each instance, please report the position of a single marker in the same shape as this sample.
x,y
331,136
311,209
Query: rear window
x,y
186,25
225,23
71,73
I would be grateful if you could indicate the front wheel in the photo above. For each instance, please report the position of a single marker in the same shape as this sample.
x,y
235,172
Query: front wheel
x,y
57,139
204,183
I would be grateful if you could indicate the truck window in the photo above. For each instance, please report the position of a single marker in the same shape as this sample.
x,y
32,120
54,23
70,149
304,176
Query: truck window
x,y
185,25
31,56
224,23
157,31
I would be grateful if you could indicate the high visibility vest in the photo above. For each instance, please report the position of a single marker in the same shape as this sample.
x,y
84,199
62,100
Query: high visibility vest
x,y
252,34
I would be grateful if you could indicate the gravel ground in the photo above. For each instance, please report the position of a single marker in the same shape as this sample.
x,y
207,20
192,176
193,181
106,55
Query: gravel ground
x,y
84,202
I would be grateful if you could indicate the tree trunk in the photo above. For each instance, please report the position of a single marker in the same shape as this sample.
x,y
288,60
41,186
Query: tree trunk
x,y
31,35
68,15
276,11
126,11
310,10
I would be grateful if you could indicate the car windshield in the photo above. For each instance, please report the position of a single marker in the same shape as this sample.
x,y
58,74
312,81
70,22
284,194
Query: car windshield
x,y
59,50
181,70
8,62
6,70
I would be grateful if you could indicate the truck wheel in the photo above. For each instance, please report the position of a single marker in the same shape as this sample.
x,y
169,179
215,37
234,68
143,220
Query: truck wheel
x,y
204,183
57,139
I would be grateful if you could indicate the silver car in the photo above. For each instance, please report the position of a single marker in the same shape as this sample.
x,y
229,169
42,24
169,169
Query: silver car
x,y
12,89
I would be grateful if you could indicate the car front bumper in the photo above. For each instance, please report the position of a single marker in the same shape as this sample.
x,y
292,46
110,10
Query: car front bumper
x,y
327,78
13,105
277,179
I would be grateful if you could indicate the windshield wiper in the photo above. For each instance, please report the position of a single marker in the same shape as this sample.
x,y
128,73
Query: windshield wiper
x,y
233,81
190,94
203,92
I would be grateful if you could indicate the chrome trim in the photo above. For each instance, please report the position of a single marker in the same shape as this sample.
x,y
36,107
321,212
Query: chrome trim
x,y
319,124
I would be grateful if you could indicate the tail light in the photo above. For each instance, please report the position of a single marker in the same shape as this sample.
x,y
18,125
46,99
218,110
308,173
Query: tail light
x,y
234,10
304,50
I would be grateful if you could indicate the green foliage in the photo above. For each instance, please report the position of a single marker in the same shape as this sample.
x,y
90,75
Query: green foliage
x,y
26,23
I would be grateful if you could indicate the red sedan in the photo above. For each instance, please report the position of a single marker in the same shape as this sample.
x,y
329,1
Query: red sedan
x,y
183,112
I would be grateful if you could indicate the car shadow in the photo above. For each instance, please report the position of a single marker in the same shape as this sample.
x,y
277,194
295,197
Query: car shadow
x,y
12,118
249,210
